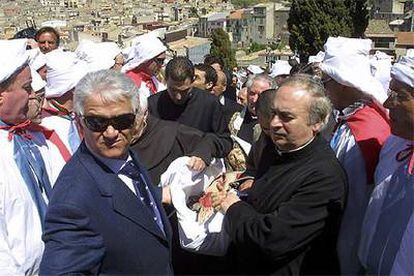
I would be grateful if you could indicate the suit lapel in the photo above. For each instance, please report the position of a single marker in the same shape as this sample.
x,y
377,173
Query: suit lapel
x,y
124,201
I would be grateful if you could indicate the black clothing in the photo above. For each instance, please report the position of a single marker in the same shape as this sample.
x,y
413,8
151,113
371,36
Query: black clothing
x,y
230,107
247,128
262,155
290,222
201,111
164,141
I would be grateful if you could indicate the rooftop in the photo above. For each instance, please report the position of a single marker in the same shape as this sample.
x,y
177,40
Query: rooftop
x,y
405,38
378,26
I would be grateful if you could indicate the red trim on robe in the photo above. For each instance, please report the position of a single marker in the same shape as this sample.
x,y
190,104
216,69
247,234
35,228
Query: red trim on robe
x,y
138,77
370,128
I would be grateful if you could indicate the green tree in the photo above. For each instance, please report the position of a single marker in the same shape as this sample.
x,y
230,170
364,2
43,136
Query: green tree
x,y
221,47
311,22
359,16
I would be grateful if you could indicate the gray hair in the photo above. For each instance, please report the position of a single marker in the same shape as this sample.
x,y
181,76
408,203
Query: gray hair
x,y
320,106
261,77
110,85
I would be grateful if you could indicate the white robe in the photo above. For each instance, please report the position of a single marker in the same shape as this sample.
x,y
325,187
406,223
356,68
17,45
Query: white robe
x,y
21,246
387,167
144,90
62,128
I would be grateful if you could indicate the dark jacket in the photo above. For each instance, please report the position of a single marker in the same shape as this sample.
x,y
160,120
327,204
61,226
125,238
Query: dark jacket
x,y
96,225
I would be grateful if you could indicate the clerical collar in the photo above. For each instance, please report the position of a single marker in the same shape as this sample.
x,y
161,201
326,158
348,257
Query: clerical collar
x,y
112,163
282,152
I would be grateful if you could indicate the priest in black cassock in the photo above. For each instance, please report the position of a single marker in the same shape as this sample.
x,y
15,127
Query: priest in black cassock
x,y
289,222
193,107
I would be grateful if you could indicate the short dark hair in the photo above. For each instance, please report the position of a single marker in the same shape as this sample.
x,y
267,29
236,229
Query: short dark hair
x,y
210,59
48,30
211,74
264,103
179,69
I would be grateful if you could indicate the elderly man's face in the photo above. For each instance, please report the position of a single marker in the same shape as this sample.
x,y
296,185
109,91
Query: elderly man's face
x,y
242,96
108,127
36,100
179,90
14,99
400,103
47,42
253,94
289,127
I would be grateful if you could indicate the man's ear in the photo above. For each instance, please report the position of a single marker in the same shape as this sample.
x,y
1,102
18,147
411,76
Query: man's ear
x,y
209,85
80,125
316,128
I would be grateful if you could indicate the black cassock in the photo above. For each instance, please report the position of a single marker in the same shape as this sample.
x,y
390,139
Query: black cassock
x,y
289,224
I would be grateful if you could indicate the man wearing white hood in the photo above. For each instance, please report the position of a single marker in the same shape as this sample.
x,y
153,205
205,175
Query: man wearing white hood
x,y
100,56
64,71
28,167
362,128
144,62
387,241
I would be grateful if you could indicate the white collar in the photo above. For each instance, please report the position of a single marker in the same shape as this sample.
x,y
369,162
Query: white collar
x,y
280,152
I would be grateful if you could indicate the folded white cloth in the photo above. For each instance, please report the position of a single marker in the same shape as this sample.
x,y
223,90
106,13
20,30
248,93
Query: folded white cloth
x,y
403,70
209,237
381,68
37,82
36,59
13,56
64,71
254,69
318,58
144,48
347,62
280,67
98,56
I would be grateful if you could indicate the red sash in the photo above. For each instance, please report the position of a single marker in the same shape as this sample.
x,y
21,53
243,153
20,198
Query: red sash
x,y
370,128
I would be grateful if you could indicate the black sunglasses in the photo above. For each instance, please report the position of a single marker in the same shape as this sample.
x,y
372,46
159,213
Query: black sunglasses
x,y
100,124
159,61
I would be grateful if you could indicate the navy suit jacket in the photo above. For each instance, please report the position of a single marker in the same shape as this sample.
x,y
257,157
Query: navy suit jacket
x,y
96,225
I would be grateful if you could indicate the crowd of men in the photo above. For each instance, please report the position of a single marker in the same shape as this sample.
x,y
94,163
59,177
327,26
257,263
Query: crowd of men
x,y
326,151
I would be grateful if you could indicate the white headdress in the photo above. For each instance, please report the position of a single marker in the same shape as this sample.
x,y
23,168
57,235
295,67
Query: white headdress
x,y
64,71
13,56
347,62
403,70
98,56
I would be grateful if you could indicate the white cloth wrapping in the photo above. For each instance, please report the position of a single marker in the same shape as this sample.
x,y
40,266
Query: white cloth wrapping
x,y
37,82
318,58
13,56
36,59
64,71
254,69
21,246
146,47
98,56
207,238
381,68
347,62
280,67
403,70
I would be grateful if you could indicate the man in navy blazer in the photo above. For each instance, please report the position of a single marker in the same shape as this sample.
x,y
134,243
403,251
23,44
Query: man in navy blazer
x,y
105,217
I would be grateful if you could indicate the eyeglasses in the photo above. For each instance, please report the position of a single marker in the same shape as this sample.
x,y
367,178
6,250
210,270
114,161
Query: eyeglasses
x,y
100,124
159,61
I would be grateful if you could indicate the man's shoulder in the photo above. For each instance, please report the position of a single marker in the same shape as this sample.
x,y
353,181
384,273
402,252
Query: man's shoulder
x,y
155,97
